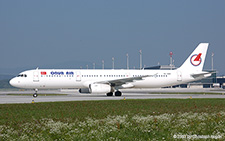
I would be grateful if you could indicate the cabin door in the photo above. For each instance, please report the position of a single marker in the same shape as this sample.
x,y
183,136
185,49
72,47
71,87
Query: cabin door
x,y
78,76
179,76
36,76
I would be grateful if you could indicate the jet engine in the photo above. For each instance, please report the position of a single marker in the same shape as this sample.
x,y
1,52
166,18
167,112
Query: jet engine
x,y
96,88
84,90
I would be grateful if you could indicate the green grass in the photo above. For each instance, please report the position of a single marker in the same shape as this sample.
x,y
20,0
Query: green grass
x,y
121,119
100,109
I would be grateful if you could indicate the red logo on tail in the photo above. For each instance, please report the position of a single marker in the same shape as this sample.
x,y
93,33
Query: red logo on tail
x,y
196,59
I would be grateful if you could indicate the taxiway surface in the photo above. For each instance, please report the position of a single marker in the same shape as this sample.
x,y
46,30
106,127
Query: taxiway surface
x,y
6,97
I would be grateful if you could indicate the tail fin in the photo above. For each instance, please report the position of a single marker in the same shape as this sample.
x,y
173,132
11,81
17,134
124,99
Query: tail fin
x,y
196,60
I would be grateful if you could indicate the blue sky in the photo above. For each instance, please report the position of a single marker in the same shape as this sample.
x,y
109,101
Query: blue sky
x,y
56,33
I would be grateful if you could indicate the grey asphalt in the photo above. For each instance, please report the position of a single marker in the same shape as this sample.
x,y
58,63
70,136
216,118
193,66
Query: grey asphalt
x,y
73,95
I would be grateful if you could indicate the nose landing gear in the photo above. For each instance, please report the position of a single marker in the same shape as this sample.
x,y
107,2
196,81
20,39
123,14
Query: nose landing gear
x,y
35,93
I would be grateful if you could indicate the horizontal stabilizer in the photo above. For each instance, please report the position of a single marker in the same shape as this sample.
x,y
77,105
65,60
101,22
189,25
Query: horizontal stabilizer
x,y
203,74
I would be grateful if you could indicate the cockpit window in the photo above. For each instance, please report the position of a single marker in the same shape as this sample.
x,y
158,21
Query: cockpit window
x,y
22,75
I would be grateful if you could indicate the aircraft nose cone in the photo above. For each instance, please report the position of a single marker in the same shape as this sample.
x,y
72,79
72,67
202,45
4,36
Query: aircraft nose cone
x,y
12,82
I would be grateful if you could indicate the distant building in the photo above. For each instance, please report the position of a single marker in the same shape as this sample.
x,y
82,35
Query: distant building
x,y
221,81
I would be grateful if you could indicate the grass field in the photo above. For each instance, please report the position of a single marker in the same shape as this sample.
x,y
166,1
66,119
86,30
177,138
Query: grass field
x,y
164,119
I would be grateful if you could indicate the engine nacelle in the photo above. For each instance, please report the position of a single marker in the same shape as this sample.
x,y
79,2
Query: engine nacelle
x,y
100,88
84,90
96,88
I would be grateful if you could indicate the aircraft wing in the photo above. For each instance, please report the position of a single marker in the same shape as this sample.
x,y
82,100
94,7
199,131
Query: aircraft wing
x,y
120,82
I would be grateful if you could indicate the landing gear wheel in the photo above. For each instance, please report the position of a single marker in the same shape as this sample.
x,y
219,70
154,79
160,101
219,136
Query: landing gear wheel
x,y
35,95
118,93
110,94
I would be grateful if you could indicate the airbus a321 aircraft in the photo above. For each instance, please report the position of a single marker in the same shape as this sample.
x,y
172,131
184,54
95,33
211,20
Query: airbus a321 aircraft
x,y
111,81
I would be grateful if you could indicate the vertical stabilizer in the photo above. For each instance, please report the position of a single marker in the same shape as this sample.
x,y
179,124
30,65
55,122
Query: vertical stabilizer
x,y
196,60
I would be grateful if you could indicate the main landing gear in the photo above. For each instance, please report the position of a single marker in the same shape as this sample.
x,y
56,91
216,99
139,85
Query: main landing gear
x,y
117,93
35,93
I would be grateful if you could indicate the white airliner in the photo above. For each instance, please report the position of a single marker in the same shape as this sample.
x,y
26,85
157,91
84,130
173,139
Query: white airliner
x,y
111,81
